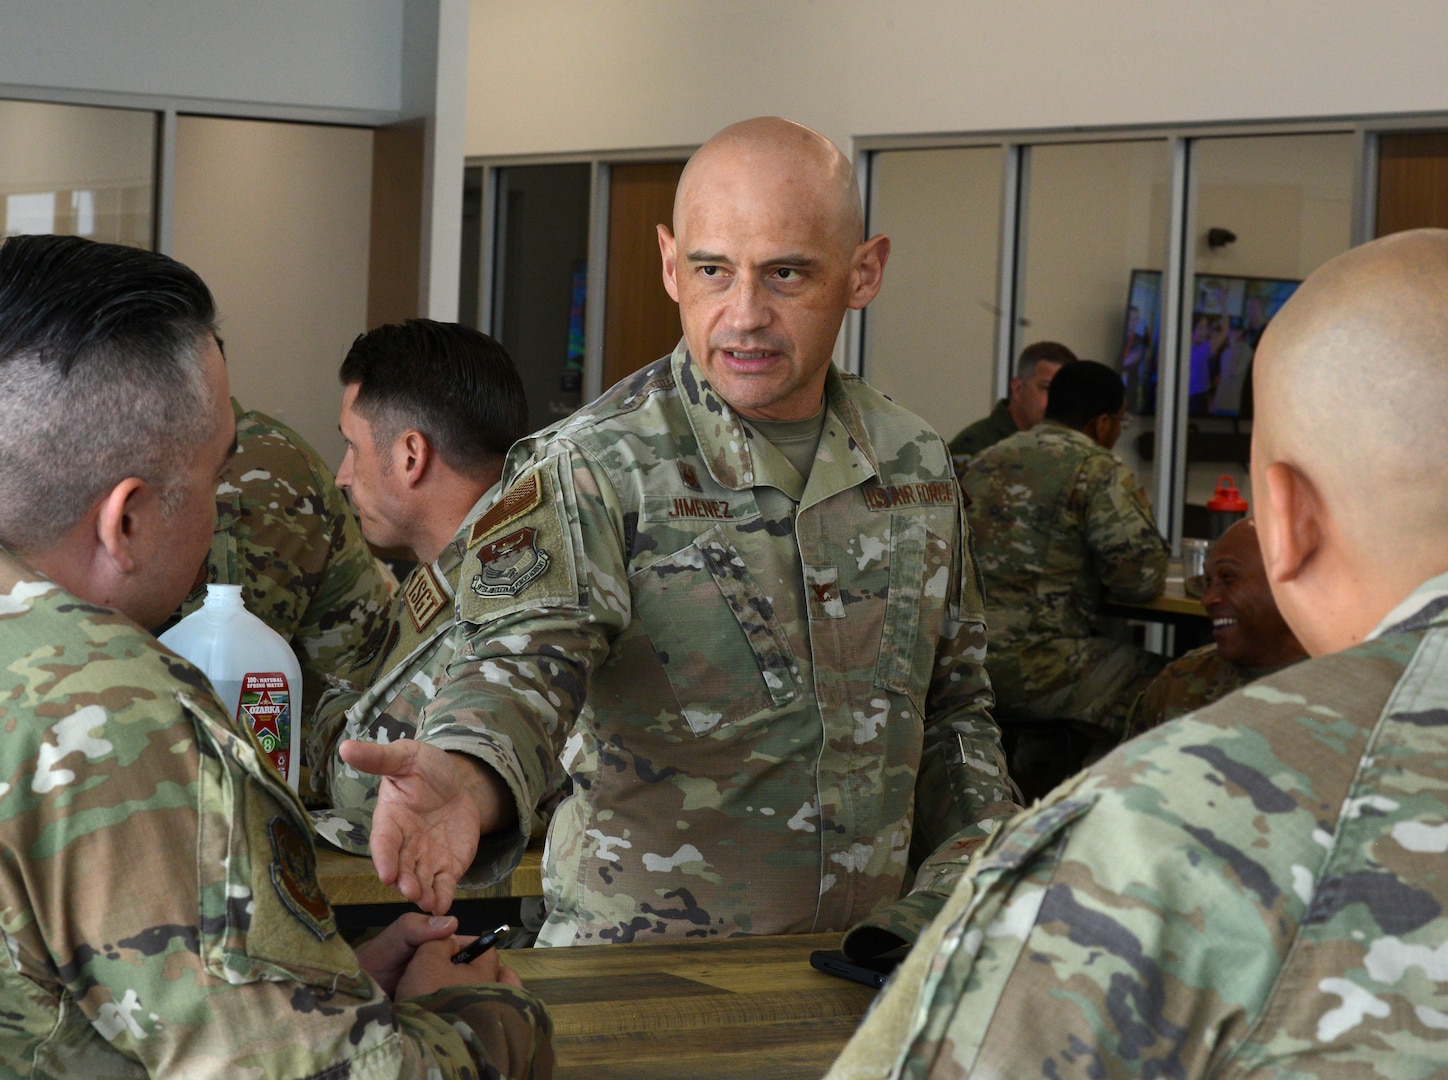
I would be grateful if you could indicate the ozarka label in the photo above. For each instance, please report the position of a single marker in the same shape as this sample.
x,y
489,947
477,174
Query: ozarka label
x,y
265,706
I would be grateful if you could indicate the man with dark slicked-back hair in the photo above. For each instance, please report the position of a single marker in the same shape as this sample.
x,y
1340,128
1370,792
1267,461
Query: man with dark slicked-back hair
x,y
428,411
159,903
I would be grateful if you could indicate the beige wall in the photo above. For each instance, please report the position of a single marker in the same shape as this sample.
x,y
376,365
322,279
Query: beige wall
x,y
275,218
563,75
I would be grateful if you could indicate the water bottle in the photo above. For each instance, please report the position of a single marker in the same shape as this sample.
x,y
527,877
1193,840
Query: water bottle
x,y
254,671
1225,507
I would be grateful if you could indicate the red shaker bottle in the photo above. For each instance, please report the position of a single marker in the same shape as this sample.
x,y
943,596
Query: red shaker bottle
x,y
1225,507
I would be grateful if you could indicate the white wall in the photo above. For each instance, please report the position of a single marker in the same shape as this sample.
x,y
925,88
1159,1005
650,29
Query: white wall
x,y
247,55
569,75
275,218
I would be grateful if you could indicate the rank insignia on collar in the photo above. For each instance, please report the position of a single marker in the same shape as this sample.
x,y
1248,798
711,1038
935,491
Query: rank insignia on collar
x,y
424,597
510,564
294,875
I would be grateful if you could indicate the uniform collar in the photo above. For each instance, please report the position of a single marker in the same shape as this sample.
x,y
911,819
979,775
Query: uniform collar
x,y
1425,606
845,447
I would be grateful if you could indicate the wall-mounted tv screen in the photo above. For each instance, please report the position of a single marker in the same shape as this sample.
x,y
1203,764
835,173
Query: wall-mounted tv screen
x,y
1228,317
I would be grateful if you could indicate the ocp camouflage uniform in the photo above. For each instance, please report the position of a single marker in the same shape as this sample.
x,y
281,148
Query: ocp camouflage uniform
x,y
158,896
426,684
1058,522
1256,889
776,672
990,429
1191,682
285,534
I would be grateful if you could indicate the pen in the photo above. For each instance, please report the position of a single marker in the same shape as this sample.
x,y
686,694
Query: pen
x,y
474,949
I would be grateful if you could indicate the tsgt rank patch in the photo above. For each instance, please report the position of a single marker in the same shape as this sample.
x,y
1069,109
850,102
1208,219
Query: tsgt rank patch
x,y
424,597
510,564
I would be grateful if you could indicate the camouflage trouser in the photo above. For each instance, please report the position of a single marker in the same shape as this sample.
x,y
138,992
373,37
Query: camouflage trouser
x,y
1102,696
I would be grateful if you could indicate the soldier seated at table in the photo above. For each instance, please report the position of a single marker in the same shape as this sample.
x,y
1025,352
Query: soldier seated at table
x,y
162,915
429,410
1058,522
1252,638
285,534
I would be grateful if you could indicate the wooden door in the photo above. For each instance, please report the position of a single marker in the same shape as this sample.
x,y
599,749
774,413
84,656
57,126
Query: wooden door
x,y
1412,181
641,322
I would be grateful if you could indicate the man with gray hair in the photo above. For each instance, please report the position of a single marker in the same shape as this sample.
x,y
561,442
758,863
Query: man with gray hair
x,y
1023,409
158,895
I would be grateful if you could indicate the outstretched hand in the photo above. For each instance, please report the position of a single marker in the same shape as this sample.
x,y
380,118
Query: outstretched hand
x,y
432,806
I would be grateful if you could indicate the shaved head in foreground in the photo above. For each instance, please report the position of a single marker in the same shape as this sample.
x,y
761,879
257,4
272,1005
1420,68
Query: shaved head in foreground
x,y
1348,469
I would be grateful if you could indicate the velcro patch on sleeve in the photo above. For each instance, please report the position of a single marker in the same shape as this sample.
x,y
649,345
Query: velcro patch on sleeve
x,y
525,558
516,501
424,596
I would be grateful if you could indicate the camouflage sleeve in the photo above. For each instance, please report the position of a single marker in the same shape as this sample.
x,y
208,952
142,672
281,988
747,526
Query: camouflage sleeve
x,y
162,905
1128,554
962,786
1115,929
544,587
962,789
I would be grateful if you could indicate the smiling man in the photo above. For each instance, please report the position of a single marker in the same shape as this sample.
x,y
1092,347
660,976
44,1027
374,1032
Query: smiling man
x,y
754,570
1252,638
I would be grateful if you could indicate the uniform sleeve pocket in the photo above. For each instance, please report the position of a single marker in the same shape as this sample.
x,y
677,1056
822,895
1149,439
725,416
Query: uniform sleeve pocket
x,y
263,914
715,632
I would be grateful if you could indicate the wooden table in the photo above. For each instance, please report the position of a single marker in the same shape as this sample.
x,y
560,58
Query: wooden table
x,y
352,879
745,1007
360,901
1174,608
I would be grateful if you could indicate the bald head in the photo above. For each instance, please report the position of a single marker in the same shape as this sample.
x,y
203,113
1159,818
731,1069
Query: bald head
x,y
1351,384
765,258
797,163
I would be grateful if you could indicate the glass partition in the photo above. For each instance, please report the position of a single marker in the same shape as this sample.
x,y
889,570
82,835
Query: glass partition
x,y
1268,210
929,337
78,170
540,281
1095,220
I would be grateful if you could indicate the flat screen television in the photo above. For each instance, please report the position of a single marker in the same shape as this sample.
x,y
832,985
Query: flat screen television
x,y
1228,316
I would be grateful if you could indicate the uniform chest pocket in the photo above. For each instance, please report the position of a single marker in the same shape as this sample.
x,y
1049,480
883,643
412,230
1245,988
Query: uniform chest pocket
x,y
715,633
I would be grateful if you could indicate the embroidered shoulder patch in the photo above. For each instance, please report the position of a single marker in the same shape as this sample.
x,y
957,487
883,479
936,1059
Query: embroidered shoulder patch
x,y
516,501
424,596
510,564
294,874
920,493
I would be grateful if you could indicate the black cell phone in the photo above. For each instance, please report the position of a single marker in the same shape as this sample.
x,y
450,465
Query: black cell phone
x,y
871,972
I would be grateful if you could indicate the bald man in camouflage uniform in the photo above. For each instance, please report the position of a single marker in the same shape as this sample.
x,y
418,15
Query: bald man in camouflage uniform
x,y
159,904
1259,888
741,581
285,534
1059,523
